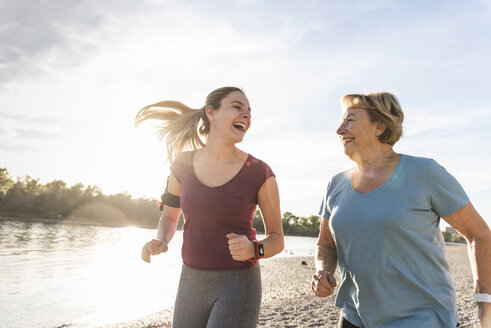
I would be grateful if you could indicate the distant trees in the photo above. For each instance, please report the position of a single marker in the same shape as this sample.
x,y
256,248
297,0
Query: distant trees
x,y
26,197
309,226
450,237
6,181
292,224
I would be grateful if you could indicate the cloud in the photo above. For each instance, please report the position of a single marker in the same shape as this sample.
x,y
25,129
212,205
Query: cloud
x,y
35,134
39,37
20,126
15,147
23,134
10,116
25,118
447,120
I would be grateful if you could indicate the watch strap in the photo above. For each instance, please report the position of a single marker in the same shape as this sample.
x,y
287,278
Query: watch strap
x,y
483,298
258,250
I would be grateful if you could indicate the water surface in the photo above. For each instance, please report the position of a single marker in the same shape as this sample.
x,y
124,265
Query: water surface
x,y
54,274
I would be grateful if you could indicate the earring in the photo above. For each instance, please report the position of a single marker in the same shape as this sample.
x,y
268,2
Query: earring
x,y
376,134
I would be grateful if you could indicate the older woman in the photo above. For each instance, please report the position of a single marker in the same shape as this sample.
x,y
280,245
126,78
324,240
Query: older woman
x,y
382,226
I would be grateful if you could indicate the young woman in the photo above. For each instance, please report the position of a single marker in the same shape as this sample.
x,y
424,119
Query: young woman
x,y
217,186
381,223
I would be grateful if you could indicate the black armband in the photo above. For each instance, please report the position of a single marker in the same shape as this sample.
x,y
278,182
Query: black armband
x,y
169,199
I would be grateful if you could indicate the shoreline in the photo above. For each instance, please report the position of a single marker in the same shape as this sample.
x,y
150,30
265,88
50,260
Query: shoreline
x,y
70,221
114,225
288,301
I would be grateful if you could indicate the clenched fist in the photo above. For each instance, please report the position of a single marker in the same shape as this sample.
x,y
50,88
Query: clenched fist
x,y
153,247
323,283
241,248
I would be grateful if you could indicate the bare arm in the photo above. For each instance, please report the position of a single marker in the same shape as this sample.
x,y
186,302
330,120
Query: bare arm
x,y
167,225
326,258
170,215
269,204
242,248
474,229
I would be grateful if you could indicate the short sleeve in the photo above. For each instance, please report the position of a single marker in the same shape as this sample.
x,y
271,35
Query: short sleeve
x,y
447,195
263,173
176,169
325,211
179,164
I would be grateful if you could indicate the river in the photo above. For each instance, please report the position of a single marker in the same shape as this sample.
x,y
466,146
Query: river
x,y
70,275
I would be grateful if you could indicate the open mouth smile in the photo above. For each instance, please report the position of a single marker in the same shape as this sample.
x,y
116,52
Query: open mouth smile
x,y
346,140
240,126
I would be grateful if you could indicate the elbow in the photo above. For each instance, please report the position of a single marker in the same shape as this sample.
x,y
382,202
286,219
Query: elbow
x,y
168,220
326,249
479,244
477,237
481,240
279,243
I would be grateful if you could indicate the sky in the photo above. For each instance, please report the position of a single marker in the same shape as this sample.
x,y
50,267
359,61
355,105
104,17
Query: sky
x,y
73,75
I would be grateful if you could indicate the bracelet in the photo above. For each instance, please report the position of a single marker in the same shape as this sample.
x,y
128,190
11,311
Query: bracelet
x,y
483,298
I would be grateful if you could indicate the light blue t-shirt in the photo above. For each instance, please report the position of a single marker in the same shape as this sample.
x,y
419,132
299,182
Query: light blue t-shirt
x,y
390,250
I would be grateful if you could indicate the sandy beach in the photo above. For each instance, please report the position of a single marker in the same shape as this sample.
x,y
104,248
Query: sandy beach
x,y
289,302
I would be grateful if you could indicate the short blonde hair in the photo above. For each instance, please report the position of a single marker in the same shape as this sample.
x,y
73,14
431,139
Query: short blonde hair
x,y
381,107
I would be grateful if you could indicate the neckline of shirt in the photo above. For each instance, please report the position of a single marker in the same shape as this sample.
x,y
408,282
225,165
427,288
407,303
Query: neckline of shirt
x,y
224,184
387,182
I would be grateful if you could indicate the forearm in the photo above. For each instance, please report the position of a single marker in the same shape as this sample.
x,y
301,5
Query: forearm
x,y
166,229
325,259
273,244
269,204
480,257
479,250
470,224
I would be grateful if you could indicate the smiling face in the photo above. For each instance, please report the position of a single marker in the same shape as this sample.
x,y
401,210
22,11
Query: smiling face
x,y
357,133
232,119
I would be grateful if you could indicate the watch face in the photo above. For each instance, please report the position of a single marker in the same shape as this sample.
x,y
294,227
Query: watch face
x,y
261,250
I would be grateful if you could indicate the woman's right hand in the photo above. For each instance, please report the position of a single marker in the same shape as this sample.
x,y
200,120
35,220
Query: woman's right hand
x,y
323,283
153,247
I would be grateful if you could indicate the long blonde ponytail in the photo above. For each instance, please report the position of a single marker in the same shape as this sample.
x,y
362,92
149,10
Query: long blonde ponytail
x,y
180,123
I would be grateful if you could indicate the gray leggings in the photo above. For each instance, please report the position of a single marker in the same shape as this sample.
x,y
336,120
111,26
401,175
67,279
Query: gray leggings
x,y
215,299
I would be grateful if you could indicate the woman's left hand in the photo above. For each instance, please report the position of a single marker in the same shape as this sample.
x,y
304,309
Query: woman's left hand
x,y
241,248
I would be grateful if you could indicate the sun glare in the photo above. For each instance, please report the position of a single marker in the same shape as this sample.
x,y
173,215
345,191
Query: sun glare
x,y
119,280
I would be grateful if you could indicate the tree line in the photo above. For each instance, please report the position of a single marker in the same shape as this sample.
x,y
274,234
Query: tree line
x,y
26,197
453,237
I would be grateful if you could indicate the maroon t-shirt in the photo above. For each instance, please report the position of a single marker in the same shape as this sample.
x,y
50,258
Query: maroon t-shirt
x,y
210,213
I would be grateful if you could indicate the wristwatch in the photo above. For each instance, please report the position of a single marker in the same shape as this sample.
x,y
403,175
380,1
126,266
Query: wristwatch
x,y
483,298
258,249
